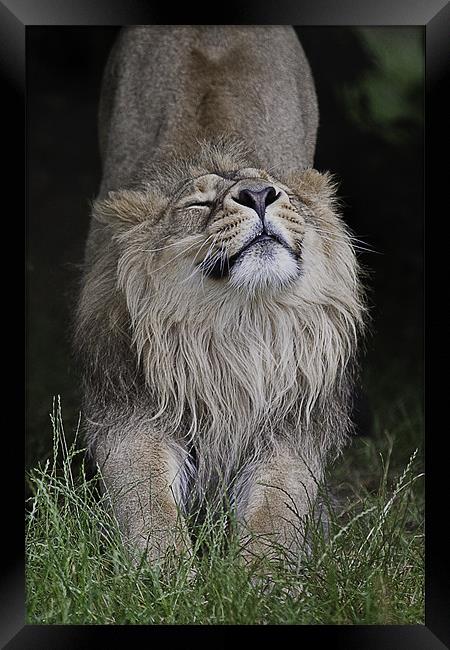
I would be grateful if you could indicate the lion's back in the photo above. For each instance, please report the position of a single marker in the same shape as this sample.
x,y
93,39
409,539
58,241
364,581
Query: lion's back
x,y
166,86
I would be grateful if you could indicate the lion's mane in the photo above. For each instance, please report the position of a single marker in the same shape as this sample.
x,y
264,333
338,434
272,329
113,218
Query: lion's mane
x,y
229,374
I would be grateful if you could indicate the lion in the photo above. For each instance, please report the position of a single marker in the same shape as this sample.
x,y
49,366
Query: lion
x,y
221,302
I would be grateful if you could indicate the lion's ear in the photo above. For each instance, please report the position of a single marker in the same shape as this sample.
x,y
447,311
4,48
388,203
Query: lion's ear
x,y
128,207
311,185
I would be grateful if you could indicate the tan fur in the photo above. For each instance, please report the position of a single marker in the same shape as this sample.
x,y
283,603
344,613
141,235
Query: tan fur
x,y
140,473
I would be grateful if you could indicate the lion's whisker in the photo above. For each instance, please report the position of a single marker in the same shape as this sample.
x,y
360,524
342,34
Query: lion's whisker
x,y
347,240
197,268
185,250
163,248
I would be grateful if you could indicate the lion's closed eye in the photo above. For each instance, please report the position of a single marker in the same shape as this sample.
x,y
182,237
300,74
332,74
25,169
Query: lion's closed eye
x,y
199,204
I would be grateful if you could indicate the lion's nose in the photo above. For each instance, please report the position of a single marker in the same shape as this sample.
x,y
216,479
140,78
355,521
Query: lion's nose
x,y
258,200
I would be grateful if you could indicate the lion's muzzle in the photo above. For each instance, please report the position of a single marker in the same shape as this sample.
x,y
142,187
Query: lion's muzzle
x,y
254,239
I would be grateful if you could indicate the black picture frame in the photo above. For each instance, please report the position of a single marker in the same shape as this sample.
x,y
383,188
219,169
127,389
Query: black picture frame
x,y
15,17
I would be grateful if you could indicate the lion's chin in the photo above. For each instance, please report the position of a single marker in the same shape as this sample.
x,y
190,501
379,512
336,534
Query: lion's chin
x,y
263,267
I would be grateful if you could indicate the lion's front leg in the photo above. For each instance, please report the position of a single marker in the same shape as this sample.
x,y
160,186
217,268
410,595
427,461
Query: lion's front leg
x,y
279,494
143,478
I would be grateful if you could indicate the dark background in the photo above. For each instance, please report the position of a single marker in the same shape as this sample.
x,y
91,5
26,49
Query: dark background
x,y
370,89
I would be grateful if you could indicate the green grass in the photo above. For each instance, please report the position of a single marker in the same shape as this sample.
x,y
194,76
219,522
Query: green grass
x,y
368,569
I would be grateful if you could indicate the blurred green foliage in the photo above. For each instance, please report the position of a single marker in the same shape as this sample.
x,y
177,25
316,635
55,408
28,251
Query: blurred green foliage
x,y
389,97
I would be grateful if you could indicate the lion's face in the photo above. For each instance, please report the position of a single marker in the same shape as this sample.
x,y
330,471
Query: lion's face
x,y
201,236
242,229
